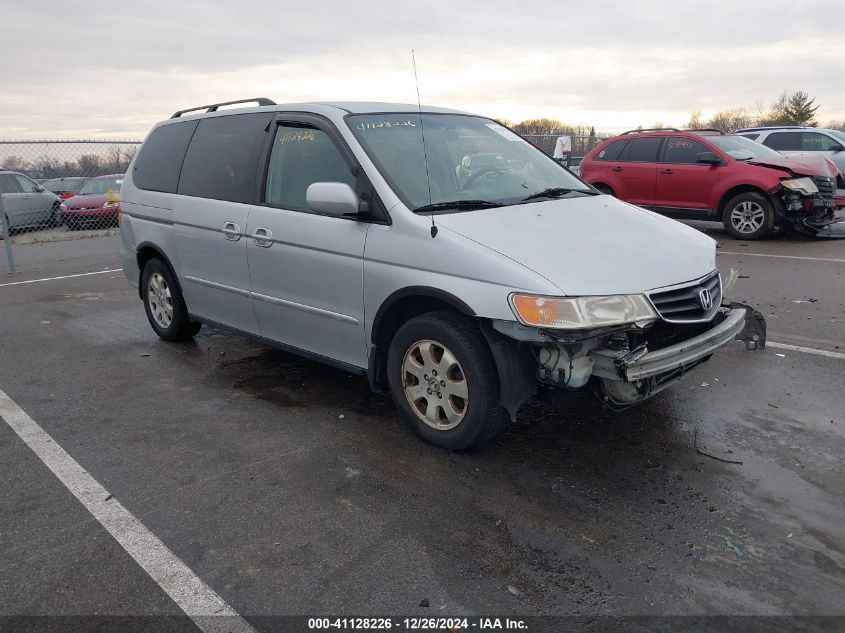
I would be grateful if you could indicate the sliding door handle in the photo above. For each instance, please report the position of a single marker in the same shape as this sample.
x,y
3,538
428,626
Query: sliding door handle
x,y
263,237
232,231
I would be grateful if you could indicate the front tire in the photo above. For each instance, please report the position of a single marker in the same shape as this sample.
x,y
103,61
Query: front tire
x,y
749,216
443,380
164,305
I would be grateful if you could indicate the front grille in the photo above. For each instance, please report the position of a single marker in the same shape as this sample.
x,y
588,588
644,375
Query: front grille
x,y
827,186
689,303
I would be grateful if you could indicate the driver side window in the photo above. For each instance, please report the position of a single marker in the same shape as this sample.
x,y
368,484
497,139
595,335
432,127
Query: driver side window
x,y
301,156
815,142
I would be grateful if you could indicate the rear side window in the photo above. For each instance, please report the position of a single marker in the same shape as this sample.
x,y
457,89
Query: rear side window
x,y
223,157
642,150
683,151
612,151
9,184
789,141
160,159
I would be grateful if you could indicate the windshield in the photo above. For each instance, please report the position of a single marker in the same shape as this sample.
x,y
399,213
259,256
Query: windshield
x,y
469,159
62,184
741,148
101,185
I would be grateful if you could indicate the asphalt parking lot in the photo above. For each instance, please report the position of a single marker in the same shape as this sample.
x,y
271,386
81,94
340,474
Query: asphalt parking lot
x,y
289,489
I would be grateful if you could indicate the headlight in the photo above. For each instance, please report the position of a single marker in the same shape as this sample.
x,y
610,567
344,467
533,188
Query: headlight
x,y
804,186
110,205
62,207
580,312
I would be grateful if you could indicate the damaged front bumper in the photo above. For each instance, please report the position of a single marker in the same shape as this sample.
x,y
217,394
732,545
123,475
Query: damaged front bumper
x,y
629,376
811,215
634,365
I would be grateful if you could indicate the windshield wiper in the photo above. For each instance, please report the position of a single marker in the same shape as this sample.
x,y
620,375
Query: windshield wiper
x,y
457,204
554,192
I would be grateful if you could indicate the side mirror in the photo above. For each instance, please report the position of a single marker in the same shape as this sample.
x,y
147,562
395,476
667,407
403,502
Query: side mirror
x,y
332,198
40,189
709,158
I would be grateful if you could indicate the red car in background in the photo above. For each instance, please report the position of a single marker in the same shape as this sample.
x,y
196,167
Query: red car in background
x,y
709,175
96,205
65,187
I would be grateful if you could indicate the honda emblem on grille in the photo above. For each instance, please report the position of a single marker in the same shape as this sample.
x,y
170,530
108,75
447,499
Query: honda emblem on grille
x,y
705,299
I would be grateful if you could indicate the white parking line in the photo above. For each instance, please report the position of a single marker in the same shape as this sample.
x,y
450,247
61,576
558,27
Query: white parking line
x,y
805,350
193,596
33,281
808,259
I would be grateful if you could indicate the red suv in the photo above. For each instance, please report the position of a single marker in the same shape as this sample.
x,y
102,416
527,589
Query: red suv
x,y
705,174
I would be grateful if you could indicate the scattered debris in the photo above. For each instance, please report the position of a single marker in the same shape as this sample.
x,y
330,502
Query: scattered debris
x,y
781,355
773,406
108,497
514,591
719,459
45,323
705,384
341,417
744,277
425,603
144,355
789,535
805,300
733,548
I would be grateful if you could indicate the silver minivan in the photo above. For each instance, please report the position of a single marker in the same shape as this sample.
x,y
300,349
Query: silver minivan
x,y
434,251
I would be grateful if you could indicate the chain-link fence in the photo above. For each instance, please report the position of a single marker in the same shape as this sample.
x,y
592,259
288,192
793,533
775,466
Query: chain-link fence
x,y
55,190
581,145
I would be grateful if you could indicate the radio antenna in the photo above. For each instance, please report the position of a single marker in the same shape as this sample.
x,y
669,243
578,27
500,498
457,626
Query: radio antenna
x,y
422,131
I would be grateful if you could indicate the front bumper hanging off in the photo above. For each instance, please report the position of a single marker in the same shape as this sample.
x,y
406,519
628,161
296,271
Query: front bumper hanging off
x,y
629,376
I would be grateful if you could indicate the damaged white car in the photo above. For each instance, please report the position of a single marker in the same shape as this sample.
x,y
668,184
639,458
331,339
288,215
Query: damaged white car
x,y
433,251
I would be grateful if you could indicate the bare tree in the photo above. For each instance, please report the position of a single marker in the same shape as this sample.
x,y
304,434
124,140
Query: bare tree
x,y
15,163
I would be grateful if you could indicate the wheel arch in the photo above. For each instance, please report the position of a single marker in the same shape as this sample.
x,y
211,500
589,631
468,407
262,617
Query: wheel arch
x,y
734,191
147,251
396,309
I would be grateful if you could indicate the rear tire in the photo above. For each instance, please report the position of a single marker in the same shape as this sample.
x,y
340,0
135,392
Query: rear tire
x,y
164,305
443,380
749,216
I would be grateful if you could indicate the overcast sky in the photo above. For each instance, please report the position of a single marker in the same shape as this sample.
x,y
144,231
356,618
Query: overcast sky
x,y
111,70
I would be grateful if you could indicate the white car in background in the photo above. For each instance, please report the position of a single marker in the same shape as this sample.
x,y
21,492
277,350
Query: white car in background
x,y
798,139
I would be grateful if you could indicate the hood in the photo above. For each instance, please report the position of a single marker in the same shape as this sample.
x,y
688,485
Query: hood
x,y
799,165
593,245
87,200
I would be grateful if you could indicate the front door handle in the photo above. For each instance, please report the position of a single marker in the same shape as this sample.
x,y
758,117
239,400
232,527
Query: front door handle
x,y
232,231
263,237
617,168
666,171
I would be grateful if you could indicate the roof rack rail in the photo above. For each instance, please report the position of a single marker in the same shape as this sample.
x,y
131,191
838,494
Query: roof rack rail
x,y
262,101
706,129
763,128
652,129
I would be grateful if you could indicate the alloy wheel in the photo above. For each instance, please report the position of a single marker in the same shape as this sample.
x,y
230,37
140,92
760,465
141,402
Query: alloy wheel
x,y
161,303
748,217
435,385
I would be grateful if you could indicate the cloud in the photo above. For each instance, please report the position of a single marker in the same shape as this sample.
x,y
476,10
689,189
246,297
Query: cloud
x,y
113,69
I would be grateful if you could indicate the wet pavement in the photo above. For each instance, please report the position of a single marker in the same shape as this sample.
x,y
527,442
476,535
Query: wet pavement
x,y
290,489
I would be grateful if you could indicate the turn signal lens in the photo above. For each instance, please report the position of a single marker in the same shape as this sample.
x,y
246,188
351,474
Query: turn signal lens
x,y
580,312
